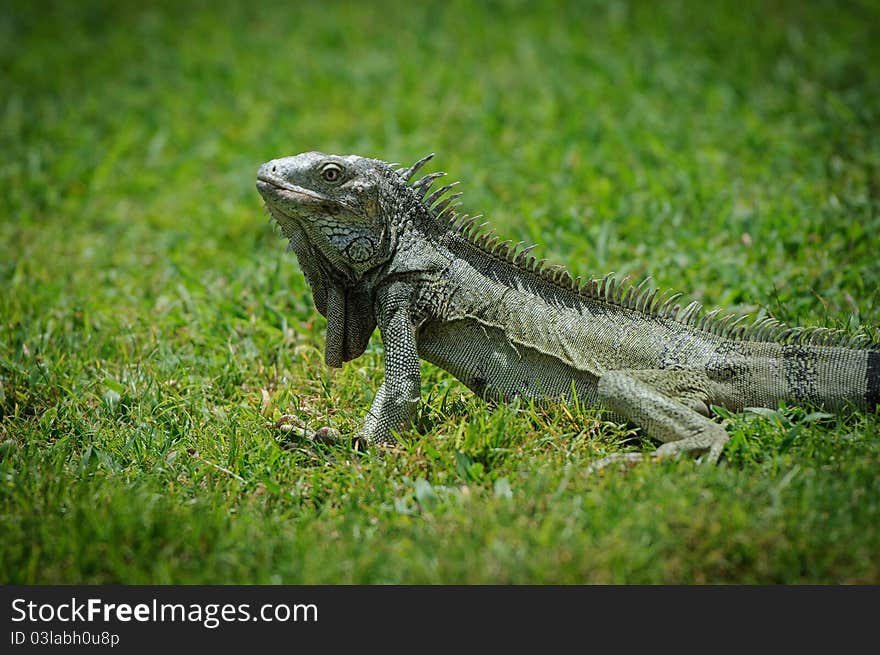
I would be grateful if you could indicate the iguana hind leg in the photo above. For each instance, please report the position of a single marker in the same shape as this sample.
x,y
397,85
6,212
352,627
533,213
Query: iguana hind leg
x,y
670,405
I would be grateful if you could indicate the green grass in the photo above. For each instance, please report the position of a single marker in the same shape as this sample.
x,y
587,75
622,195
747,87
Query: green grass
x,y
152,326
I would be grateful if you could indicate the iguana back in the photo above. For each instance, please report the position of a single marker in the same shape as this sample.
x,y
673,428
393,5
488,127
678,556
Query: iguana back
x,y
551,329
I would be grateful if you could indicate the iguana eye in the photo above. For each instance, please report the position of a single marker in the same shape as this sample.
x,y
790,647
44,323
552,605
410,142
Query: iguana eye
x,y
331,172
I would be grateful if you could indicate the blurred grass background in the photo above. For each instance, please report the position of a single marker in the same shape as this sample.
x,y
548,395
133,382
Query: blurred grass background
x,y
151,325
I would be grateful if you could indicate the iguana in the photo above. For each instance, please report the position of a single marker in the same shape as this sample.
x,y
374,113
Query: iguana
x,y
380,250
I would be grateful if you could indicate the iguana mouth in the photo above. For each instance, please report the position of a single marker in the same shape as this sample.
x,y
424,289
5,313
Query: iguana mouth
x,y
265,182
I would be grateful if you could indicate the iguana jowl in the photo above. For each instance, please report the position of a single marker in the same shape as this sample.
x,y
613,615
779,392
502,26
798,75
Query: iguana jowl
x,y
377,249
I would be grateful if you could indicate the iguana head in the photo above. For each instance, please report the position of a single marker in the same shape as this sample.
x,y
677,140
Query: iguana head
x,y
334,200
330,209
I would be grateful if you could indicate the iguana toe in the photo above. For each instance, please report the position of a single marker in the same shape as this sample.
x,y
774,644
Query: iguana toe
x,y
327,435
625,460
290,423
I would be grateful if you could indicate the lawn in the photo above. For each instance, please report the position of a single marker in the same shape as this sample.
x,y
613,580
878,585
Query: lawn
x,y
152,326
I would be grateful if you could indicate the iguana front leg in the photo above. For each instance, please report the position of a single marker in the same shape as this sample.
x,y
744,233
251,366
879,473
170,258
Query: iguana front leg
x,y
397,398
669,405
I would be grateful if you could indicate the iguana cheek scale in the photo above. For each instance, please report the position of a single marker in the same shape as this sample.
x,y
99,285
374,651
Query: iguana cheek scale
x,y
380,250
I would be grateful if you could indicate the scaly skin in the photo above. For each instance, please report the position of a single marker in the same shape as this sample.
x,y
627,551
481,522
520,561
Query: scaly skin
x,y
379,251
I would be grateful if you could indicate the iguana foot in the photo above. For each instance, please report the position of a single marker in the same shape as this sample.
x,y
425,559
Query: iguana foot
x,y
713,445
709,441
626,460
324,435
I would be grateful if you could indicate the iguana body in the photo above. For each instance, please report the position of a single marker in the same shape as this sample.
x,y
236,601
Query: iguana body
x,y
378,250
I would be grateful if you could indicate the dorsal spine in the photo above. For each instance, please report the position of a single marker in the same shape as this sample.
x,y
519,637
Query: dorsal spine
x,y
641,297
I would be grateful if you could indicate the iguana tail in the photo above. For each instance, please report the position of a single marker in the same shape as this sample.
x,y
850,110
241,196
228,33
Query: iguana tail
x,y
831,376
